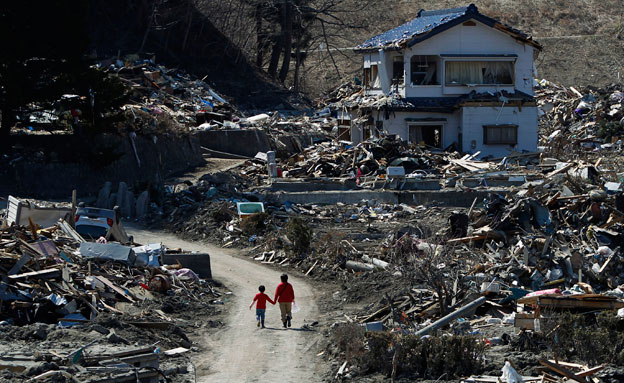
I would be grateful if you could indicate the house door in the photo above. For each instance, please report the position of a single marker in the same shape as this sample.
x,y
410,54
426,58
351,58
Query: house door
x,y
430,135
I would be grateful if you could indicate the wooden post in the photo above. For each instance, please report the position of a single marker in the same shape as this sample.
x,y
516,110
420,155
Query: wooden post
x,y
73,210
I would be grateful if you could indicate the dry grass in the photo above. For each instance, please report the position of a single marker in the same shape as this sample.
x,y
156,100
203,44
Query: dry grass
x,y
415,357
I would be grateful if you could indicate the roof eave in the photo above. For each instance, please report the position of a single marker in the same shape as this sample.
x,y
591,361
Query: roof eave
x,y
377,49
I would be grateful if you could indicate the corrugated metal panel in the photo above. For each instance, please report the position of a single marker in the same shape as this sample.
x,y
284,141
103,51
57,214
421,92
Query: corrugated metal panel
x,y
13,210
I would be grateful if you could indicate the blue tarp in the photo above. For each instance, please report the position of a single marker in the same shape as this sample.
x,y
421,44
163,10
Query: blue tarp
x,y
107,252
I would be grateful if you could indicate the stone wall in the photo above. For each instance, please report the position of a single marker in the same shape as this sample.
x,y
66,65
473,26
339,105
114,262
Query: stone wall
x,y
97,160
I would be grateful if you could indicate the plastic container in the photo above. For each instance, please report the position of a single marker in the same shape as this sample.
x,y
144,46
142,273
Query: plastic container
x,y
544,292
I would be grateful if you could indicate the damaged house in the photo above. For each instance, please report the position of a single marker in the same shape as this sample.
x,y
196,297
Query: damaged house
x,y
450,77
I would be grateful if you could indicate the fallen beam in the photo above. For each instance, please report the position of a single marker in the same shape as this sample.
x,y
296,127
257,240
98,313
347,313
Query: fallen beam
x,y
451,317
561,370
359,266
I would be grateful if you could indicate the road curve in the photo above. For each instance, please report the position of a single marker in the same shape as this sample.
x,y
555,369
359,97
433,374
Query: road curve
x,y
241,352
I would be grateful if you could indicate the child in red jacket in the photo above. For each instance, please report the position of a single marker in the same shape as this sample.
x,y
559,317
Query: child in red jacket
x,y
261,298
285,295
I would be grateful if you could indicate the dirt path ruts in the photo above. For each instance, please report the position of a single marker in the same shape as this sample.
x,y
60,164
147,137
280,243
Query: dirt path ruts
x,y
241,352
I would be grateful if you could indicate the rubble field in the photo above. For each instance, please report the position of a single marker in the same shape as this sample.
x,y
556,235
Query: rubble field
x,y
525,279
519,272
76,311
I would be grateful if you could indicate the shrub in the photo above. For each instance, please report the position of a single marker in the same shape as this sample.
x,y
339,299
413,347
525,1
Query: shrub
x,y
429,358
299,234
590,338
255,224
350,339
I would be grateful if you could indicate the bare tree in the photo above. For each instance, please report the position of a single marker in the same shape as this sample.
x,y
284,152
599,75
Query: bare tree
x,y
289,29
429,263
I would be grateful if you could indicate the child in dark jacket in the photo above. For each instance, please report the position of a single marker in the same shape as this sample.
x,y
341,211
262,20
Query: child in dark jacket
x,y
261,299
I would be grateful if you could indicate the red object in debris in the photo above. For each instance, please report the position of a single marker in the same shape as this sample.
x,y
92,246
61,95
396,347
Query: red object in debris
x,y
279,172
596,211
144,286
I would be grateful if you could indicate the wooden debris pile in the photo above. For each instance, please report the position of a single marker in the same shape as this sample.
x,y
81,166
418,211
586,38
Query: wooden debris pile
x,y
553,371
103,298
575,122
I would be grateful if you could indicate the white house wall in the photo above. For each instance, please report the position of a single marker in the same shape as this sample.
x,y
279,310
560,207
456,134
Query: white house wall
x,y
477,40
474,118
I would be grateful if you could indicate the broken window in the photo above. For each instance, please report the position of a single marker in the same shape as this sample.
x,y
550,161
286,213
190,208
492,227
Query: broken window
x,y
500,134
423,70
375,80
429,135
398,70
367,77
479,73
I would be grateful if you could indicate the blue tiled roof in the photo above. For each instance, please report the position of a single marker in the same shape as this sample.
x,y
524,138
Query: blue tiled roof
x,y
432,21
424,22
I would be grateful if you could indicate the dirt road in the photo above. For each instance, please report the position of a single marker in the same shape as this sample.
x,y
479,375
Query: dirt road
x,y
242,352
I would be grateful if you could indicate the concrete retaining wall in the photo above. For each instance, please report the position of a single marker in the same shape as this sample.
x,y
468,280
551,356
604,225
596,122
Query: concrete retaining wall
x,y
242,142
250,142
97,160
335,184
450,198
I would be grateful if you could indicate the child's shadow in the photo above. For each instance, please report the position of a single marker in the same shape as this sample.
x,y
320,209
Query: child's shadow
x,y
290,329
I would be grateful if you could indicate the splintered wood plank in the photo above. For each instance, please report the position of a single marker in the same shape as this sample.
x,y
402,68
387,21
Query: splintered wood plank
x,y
561,370
590,371
47,273
115,288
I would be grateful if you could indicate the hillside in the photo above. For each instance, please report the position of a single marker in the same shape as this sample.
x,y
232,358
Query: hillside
x,y
178,34
583,39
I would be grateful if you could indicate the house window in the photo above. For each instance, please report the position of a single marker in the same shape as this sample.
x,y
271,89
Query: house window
x,y
423,70
398,70
429,135
500,134
479,73
371,78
